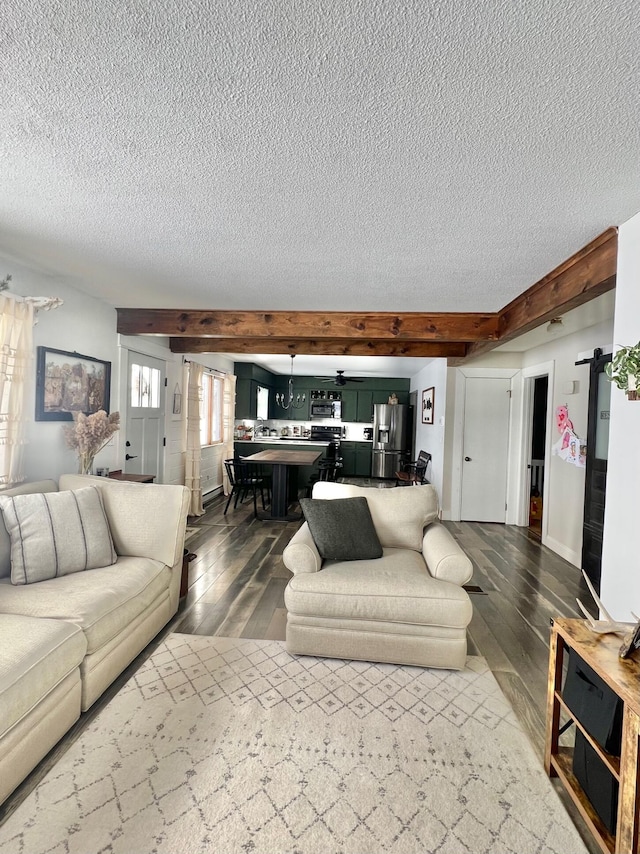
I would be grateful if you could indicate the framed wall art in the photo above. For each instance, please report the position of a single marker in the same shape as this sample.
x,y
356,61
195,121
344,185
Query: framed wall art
x,y
428,401
68,383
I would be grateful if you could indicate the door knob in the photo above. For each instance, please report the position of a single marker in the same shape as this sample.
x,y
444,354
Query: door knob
x,y
467,459
129,457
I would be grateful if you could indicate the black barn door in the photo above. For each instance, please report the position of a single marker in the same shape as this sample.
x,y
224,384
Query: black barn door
x,y
596,466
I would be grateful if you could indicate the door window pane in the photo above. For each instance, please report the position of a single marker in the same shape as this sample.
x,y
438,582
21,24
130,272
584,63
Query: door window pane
x,y
602,417
145,387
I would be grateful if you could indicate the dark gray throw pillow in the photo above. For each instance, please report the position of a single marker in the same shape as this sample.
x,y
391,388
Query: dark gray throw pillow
x,y
342,528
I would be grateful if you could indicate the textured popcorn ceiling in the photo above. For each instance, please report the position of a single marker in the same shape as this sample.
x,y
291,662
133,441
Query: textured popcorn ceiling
x,y
348,154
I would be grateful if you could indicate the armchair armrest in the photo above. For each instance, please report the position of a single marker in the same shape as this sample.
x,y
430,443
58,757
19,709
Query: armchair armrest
x,y
301,555
146,520
444,557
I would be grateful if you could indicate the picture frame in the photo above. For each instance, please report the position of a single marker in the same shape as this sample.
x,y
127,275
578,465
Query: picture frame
x,y
428,404
70,382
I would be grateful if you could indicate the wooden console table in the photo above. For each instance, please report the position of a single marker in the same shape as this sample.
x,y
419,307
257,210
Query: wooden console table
x,y
133,478
600,652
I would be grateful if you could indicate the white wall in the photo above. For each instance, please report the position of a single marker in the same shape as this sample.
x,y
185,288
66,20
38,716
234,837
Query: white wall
x,y
82,324
620,585
564,510
430,437
87,325
565,482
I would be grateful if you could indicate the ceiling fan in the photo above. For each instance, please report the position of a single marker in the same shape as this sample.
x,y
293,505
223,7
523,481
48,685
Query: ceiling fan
x,y
340,379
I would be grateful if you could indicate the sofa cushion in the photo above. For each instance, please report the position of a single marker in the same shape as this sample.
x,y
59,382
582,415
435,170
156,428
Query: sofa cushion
x,y
396,589
5,539
57,533
399,515
342,529
102,602
35,656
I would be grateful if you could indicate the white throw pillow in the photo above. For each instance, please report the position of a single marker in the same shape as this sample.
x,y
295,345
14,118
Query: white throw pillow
x,y
399,514
56,533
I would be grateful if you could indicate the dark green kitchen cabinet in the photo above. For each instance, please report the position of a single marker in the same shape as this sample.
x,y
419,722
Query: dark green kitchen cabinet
x,y
356,459
363,460
349,405
246,399
348,454
365,406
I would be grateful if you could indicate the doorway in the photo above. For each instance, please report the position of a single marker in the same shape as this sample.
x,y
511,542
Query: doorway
x,y
537,455
144,441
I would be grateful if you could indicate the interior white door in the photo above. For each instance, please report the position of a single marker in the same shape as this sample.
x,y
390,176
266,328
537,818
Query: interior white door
x,y
487,403
144,441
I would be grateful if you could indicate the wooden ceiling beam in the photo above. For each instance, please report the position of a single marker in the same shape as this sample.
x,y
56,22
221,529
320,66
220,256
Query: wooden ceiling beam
x,y
581,278
320,347
589,273
314,325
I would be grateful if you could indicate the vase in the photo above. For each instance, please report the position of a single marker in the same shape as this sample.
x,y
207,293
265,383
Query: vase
x,y
85,464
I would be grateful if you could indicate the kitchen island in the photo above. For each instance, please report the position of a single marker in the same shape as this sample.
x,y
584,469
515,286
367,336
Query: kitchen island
x,y
282,460
299,476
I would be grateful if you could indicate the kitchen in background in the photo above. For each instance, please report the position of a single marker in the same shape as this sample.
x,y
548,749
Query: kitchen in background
x,y
328,415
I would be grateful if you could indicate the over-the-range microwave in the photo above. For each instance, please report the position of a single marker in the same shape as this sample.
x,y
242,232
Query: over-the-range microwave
x,y
326,409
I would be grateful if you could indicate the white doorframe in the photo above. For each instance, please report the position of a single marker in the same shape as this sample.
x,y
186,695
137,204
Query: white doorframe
x,y
529,375
461,374
147,347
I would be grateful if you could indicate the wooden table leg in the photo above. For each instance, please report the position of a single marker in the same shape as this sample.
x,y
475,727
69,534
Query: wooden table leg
x,y
627,835
554,682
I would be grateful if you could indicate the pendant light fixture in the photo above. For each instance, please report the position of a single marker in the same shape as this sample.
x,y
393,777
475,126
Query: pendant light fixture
x,y
290,400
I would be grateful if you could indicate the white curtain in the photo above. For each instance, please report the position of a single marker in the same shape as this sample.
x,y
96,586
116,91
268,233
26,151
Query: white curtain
x,y
194,452
16,353
228,417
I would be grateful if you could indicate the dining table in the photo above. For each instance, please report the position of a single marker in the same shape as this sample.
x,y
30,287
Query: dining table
x,y
282,460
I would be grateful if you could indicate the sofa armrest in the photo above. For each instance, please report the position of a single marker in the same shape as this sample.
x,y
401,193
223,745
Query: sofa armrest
x,y
146,520
301,555
444,557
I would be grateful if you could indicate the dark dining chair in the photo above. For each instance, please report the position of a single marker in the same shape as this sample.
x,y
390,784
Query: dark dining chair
x,y
244,478
328,469
414,473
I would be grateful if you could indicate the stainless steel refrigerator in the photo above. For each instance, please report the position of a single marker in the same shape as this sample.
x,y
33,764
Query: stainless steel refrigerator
x,y
391,424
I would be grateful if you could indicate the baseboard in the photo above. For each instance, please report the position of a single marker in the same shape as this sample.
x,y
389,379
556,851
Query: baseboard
x,y
562,550
211,494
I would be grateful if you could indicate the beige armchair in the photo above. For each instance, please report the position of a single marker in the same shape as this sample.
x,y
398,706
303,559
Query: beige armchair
x,y
407,607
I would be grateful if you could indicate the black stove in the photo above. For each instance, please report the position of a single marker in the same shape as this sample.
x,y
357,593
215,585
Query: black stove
x,y
328,433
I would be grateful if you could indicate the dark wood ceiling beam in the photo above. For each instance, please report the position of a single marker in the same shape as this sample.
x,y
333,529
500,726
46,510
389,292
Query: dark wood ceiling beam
x,y
315,325
320,347
586,275
581,278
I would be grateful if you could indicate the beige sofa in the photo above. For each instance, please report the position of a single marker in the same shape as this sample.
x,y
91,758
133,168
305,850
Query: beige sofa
x,y
64,640
407,607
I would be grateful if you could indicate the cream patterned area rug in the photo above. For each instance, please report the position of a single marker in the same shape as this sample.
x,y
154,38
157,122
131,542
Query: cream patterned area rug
x,y
225,745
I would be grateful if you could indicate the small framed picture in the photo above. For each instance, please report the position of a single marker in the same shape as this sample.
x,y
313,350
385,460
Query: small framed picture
x,y
428,401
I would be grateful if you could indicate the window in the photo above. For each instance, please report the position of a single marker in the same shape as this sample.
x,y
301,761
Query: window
x,y
145,387
211,409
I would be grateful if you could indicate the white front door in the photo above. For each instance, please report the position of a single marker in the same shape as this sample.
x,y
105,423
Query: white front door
x,y
485,452
144,440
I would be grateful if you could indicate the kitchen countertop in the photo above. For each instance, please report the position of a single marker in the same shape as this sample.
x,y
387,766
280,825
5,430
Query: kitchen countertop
x,y
292,440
